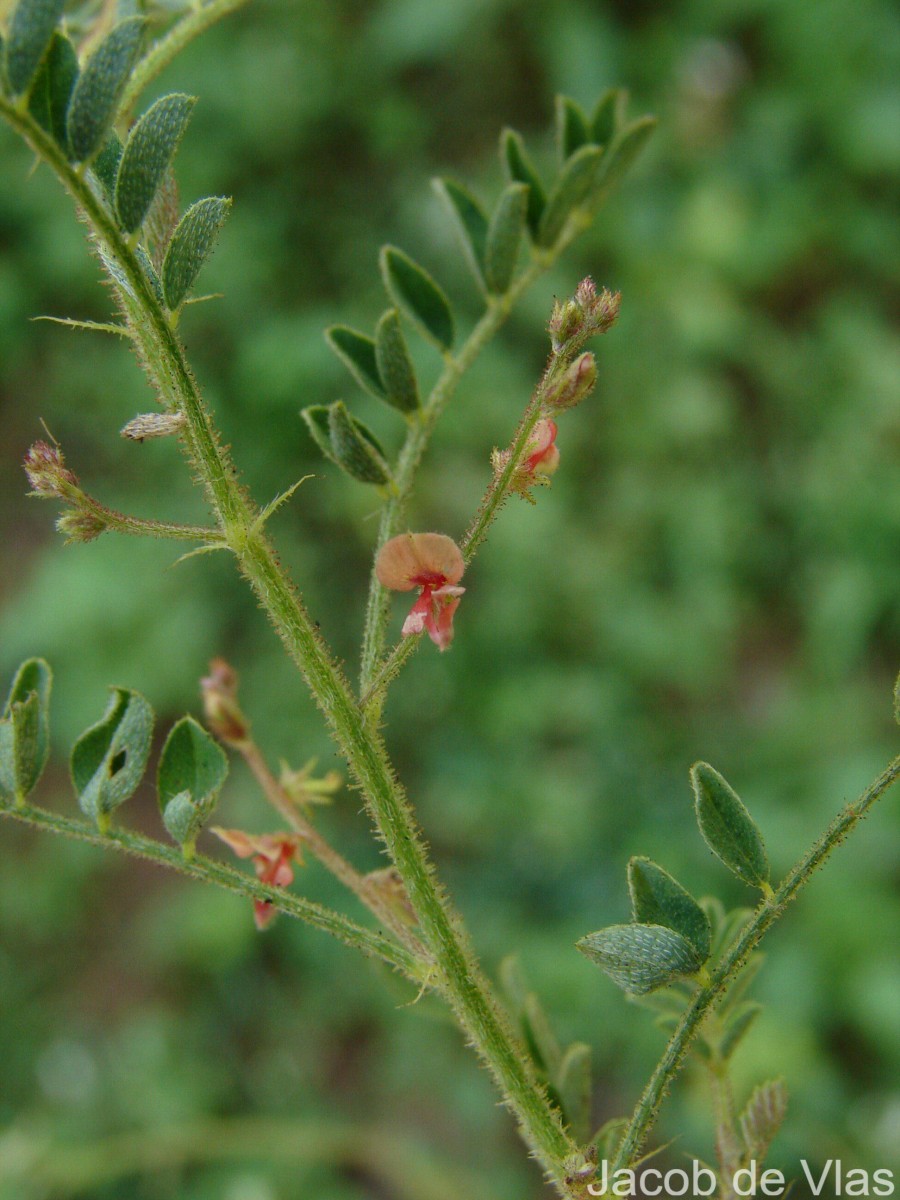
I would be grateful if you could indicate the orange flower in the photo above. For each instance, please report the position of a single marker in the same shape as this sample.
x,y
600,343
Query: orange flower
x,y
272,855
433,563
542,455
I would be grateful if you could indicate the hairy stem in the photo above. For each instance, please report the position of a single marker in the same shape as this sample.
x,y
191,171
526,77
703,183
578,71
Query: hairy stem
x,y
207,870
458,974
194,22
322,849
417,439
498,492
724,974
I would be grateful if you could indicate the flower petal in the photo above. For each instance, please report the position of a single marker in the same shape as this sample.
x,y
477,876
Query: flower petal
x,y
418,560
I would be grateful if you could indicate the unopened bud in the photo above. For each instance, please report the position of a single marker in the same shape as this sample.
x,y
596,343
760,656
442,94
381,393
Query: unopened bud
x,y
387,885
585,315
220,705
48,474
576,383
152,425
566,323
605,310
81,524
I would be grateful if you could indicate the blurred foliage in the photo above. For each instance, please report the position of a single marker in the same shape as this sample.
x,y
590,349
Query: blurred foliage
x,y
715,572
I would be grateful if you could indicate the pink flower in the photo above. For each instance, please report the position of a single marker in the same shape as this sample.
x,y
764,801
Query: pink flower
x,y
542,455
539,460
272,855
433,563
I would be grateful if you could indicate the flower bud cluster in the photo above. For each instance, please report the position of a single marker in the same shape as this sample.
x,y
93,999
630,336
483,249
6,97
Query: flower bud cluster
x,y
569,379
51,479
81,524
586,314
48,474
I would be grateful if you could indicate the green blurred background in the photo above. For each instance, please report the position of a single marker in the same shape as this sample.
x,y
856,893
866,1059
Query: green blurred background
x,y
715,573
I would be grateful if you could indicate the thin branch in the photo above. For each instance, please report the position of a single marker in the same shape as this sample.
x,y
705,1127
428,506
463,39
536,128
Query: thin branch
x,y
169,46
208,870
458,974
330,859
724,974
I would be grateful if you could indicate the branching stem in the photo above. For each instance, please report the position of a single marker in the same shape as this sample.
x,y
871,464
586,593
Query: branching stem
x,y
208,870
727,970
458,975
322,849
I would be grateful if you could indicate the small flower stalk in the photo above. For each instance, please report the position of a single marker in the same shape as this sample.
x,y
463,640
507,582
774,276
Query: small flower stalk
x,y
433,563
273,855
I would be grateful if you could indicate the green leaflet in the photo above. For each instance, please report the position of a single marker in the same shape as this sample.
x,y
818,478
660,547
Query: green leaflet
x,y
357,352
95,99
568,1073
573,1084
471,223
763,1117
339,434
190,247
316,418
109,759
520,169
620,155
735,1024
659,899
150,148
572,129
504,236
727,827
25,731
394,364
354,448
641,958
414,291
52,90
192,769
608,115
30,30
106,165
575,184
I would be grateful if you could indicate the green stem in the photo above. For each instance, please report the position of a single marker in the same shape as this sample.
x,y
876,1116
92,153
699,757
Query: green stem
x,y
720,979
728,1144
459,976
207,870
417,439
119,522
170,45
495,497
322,849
